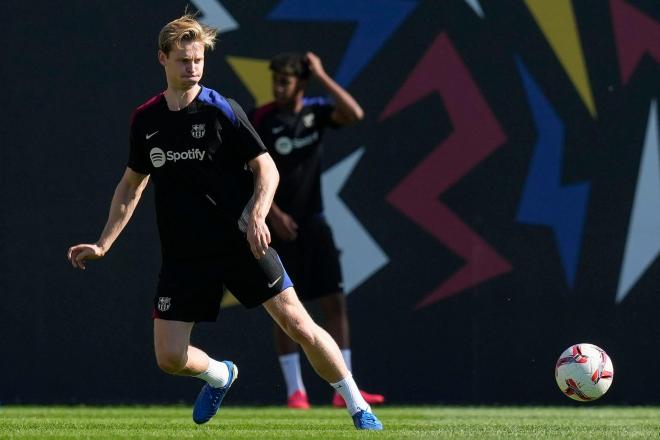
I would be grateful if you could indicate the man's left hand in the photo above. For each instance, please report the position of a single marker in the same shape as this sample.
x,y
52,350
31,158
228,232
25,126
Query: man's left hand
x,y
258,235
315,64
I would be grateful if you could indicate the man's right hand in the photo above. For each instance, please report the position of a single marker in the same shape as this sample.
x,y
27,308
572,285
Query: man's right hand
x,y
284,226
79,253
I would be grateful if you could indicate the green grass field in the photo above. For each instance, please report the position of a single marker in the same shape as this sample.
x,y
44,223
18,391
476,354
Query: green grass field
x,y
263,423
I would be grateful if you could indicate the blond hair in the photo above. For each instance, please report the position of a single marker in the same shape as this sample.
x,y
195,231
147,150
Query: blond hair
x,y
186,28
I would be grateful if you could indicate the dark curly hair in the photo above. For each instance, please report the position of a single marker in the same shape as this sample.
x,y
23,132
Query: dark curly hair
x,y
290,63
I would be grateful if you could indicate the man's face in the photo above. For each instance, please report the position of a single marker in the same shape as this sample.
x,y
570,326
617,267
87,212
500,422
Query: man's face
x,y
286,88
184,65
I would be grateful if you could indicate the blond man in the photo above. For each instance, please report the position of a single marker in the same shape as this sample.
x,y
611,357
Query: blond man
x,y
214,185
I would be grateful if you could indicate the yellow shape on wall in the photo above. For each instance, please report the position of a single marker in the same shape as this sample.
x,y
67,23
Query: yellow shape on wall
x,y
557,21
228,300
255,75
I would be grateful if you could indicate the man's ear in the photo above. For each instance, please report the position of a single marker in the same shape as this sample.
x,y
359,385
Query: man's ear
x,y
162,57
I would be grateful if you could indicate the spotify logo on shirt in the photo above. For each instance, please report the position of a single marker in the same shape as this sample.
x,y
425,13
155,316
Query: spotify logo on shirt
x,y
159,157
285,145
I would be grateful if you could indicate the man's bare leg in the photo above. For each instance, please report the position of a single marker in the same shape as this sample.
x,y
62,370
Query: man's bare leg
x,y
319,347
175,355
322,352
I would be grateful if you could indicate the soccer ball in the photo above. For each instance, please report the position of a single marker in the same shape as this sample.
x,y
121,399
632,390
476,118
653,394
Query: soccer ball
x,y
584,372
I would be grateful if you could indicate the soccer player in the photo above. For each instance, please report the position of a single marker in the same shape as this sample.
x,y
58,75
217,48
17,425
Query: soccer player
x,y
292,127
214,184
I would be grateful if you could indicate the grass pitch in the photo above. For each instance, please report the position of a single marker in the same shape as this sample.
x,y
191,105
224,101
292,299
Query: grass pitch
x,y
263,423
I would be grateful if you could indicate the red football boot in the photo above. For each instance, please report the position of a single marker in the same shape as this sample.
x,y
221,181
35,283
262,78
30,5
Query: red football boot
x,y
371,399
298,400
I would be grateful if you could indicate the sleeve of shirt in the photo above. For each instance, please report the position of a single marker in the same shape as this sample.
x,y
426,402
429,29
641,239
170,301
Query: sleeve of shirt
x,y
250,144
323,108
138,160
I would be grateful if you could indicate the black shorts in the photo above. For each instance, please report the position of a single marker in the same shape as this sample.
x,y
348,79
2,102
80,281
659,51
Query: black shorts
x,y
191,290
312,260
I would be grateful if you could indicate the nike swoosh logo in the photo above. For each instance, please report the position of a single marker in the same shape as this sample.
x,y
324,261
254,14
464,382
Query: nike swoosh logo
x,y
149,136
278,129
274,282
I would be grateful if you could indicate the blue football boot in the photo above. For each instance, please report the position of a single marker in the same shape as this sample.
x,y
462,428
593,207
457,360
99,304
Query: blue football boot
x,y
209,398
366,420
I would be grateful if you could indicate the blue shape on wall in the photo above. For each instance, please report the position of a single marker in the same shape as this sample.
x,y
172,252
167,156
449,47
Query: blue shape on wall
x,y
376,21
545,201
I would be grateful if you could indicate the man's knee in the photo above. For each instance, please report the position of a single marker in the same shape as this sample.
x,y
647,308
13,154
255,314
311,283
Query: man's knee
x,y
300,328
291,316
171,340
171,361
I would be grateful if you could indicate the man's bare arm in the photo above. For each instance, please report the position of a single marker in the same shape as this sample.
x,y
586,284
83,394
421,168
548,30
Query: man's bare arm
x,y
347,110
125,199
266,178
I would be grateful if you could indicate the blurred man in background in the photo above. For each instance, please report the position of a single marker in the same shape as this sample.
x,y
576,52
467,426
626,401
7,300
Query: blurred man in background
x,y
292,128
214,184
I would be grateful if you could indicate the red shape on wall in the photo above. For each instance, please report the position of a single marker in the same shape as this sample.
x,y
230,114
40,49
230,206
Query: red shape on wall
x,y
635,34
476,135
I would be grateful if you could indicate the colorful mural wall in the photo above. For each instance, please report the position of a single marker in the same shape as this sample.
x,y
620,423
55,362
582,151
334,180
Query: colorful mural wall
x,y
500,201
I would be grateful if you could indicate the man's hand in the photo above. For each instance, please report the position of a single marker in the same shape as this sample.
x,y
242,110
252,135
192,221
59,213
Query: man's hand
x,y
258,236
284,225
315,64
347,110
81,252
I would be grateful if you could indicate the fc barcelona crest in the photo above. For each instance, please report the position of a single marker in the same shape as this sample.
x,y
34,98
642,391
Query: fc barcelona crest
x,y
164,303
198,131
308,120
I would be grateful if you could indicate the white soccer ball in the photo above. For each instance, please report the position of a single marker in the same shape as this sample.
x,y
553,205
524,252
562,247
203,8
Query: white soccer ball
x,y
584,372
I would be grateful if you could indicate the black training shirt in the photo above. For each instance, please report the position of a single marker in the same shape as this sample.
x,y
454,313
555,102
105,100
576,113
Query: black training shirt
x,y
294,142
197,160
